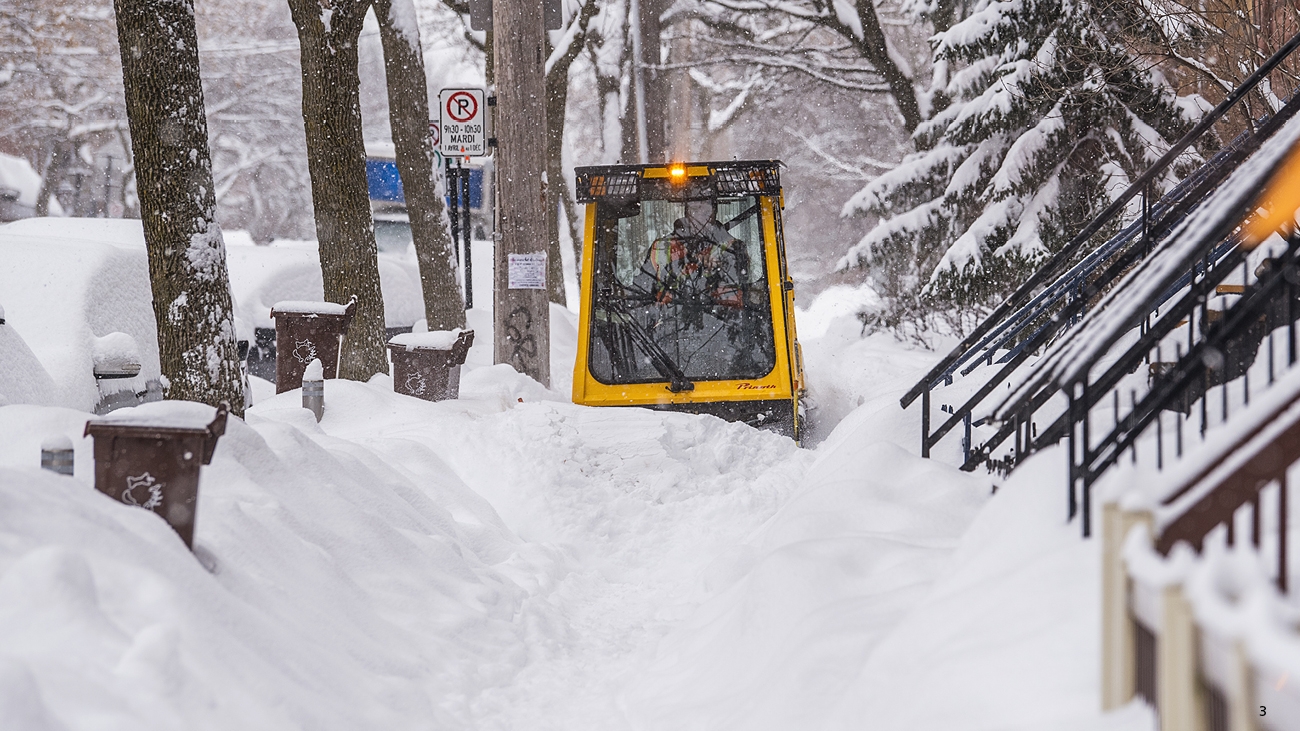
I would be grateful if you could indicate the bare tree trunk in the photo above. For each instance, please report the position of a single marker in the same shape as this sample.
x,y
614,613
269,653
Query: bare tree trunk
x,y
629,153
557,188
187,257
60,157
130,204
613,128
875,48
408,114
658,83
521,316
336,160
557,98
680,112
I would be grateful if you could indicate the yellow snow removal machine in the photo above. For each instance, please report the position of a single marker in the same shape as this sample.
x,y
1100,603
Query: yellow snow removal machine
x,y
686,301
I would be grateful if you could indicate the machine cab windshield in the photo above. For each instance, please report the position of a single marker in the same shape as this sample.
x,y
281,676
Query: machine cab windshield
x,y
680,292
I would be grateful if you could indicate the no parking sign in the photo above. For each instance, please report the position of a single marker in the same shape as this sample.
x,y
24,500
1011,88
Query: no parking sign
x,y
462,113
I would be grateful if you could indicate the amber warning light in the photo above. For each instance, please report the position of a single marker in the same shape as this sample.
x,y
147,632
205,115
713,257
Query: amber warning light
x,y
678,172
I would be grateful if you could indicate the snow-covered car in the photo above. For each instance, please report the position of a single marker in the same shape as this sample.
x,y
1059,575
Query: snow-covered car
x,y
71,288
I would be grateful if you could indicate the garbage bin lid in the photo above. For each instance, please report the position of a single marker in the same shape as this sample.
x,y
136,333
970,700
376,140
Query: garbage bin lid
x,y
435,340
56,443
163,419
307,307
116,356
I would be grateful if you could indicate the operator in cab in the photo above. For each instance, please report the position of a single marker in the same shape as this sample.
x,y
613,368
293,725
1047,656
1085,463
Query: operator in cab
x,y
699,264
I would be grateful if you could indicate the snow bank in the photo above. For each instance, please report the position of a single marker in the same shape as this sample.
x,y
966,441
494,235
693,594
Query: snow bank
x,y
125,232
23,379
802,606
1009,637
66,282
511,560
294,614
845,370
893,593
564,344
499,561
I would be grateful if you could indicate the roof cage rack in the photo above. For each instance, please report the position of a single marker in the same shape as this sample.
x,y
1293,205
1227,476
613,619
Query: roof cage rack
x,y
594,184
763,179
728,178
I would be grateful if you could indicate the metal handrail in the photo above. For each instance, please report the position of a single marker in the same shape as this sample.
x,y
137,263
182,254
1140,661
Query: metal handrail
x,y
1049,269
1230,156
1190,366
1052,294
1075,308
1216,245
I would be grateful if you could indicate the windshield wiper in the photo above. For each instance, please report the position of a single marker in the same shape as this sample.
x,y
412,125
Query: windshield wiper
x,y
677,380
741,217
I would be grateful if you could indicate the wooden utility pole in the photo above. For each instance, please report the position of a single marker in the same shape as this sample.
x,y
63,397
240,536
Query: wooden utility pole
x,y
521,315
173,168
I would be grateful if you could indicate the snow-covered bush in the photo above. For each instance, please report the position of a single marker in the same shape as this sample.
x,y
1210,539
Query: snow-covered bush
x,y
1050,114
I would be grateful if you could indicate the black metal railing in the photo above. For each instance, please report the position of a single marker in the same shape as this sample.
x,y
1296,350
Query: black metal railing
x,y
1163,294
1220,356
1031,317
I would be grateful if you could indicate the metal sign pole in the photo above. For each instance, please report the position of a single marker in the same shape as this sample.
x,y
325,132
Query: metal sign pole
x,y
453,207
467,232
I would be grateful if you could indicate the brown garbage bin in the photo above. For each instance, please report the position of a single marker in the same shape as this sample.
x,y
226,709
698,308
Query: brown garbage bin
x,y
427,365
305,331
154,463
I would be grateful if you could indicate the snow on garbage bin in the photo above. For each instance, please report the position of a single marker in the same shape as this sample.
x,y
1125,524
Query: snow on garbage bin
x,y
427,365
305,331
151,458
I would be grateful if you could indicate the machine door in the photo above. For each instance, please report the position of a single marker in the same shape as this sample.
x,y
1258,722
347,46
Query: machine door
x,y
680,293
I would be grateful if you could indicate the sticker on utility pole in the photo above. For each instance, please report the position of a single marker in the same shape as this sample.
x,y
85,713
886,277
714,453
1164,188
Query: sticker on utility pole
x,y
462,113
527,271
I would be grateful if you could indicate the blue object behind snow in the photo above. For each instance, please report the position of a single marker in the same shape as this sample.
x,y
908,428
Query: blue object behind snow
x,y
384,181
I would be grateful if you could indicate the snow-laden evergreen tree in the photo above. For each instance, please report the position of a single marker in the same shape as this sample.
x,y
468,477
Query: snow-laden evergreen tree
x,y
1049,114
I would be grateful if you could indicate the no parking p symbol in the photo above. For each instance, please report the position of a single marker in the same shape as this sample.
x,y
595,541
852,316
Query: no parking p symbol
x,y
461,107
